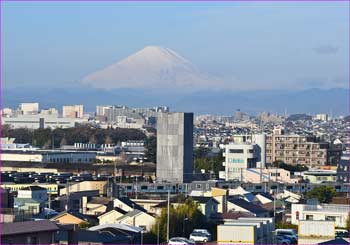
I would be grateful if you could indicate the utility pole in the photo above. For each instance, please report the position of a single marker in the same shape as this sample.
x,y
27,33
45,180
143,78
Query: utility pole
x,y
274,207
67,193
168,219
136,188
158,233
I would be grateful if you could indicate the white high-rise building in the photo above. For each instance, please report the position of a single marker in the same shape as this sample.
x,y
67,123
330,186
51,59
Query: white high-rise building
x,y
73,111
29,108
321,117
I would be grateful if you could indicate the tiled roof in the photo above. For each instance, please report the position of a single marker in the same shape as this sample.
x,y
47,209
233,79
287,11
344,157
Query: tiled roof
x,y
248,206
28,227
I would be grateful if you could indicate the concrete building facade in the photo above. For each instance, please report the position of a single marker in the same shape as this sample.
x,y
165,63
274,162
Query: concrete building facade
x,y
327,212
295,149
29,108
175,147
41,121
73,111
238,158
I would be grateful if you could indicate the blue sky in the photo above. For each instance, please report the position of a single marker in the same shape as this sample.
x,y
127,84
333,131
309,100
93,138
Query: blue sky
x,y
254,45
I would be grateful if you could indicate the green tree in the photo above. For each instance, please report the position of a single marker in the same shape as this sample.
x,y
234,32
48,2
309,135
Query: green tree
x,y
151,148
213,163
323,193
78,134
288,167
84,225
183,219
200,152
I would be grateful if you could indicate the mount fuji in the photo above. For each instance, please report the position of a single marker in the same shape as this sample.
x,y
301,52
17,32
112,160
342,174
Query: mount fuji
x,y
153,67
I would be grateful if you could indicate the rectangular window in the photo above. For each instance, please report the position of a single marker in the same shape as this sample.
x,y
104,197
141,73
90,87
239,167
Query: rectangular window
x,y
237,151
309,217
330,218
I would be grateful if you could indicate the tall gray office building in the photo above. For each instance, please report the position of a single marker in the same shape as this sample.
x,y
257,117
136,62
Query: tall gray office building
x,y
175,147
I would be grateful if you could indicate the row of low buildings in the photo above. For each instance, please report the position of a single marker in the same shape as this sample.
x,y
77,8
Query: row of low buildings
x,y
68,111
28,115
242,217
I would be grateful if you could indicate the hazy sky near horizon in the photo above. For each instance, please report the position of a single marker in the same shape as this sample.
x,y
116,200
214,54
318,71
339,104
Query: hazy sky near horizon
x,y
264,45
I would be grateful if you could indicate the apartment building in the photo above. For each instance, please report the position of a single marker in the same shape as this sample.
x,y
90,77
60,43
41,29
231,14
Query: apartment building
x,y
295,149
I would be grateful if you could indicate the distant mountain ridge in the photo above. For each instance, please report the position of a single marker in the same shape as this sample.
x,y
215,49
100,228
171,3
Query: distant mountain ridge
x,y
221,102
153,67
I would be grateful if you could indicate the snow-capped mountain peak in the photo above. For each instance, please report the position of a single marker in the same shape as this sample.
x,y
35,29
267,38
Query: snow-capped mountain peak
x,y
152,67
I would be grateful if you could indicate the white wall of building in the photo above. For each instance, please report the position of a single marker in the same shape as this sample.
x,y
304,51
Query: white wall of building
x,y
239,157
332,212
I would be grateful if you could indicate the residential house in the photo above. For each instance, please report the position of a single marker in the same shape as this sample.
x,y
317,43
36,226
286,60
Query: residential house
x,y
133,233
33,192
241,205
289,197
73,218
239,192
148,204
94,237
100,186
137,218
220,195
207,205
264,198
29,232
29,206
111,216
95,206
220,218
126,204
75,201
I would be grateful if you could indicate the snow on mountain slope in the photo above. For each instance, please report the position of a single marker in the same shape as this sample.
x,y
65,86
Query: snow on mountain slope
x,y
153,68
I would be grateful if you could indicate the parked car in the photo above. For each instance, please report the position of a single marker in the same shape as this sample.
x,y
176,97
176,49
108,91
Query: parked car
x,y
341,233
180,241
205,231
200,237
282,240
288,233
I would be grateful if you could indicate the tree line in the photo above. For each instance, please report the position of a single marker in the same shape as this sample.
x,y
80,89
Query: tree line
x,y
48,138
